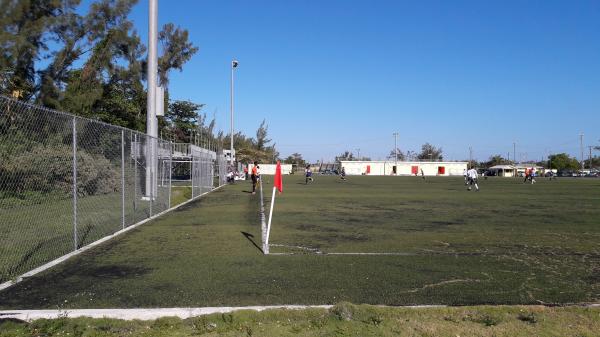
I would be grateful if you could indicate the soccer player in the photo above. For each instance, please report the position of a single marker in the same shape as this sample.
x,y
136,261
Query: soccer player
x,y
308,174
343,173
255,177
527,175
472,176
465,176
422,174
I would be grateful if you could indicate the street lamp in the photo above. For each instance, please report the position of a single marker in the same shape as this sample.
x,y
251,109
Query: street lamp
x,y
234,65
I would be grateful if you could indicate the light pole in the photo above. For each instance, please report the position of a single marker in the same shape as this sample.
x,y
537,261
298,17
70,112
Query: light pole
x,y
234,65
357,154
151,121
395,152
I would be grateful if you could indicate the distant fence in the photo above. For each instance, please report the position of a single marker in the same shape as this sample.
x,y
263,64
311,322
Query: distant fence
x,y
67,181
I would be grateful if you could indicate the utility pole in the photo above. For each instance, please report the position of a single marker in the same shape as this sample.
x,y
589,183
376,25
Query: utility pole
x,y
515,153
470,157
590,147
357,154
396,152
581,148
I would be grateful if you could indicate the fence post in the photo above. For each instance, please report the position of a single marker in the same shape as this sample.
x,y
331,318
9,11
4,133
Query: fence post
x,y
170,170
193,172
123,177
151,187
134,149
74,183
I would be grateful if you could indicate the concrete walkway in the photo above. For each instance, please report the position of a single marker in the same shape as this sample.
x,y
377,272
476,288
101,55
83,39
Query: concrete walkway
x,y
141,314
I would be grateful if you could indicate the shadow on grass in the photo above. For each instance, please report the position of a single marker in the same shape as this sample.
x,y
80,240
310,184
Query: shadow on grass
x,y
250,238
35,292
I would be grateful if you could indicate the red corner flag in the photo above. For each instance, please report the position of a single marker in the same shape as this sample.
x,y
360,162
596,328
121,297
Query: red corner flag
x,y
278,182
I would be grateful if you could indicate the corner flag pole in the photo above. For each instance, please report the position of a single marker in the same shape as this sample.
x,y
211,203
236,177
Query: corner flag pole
x,y
270,217
277,185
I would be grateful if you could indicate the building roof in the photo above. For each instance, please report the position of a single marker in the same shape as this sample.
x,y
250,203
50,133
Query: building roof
x,y
402,162
502,167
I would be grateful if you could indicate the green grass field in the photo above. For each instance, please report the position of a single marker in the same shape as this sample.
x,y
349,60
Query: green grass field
x,y
342,320
37,233
510,243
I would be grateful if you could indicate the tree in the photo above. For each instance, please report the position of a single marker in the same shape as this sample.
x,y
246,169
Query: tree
x,y
411,155
396,155
177,50
431,152
295,158
261,136
27,29
563,161
595,162
182,118
497,160
346,155
251,149
93,63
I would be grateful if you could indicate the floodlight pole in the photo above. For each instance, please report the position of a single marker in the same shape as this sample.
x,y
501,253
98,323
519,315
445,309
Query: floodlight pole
x,y
151,121
234,64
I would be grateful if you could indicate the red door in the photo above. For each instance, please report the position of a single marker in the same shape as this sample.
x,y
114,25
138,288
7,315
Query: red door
x,y
414,169
441,170
368,169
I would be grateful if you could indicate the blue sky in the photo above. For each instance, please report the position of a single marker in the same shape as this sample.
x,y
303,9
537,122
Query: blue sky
x,y
330,76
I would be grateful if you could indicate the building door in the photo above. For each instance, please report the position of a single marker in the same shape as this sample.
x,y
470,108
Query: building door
x,y
441,170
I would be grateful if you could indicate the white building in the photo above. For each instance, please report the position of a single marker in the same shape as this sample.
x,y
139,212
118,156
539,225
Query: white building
x,y
269,169
502,170
381,168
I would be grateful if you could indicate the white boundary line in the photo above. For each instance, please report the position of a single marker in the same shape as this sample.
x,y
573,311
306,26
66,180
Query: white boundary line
x,y
316,251
63,258
183,313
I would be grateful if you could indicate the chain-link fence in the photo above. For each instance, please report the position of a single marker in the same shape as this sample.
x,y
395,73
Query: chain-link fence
x,y
67,181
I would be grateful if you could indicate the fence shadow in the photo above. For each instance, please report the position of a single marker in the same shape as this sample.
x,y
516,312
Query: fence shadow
x,y
250,238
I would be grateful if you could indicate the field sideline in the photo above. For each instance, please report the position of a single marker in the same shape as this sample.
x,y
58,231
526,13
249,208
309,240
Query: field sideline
x,y
510,243
343,319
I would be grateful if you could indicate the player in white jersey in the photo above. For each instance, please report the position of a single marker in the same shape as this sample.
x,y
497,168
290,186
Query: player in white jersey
x,y
472,177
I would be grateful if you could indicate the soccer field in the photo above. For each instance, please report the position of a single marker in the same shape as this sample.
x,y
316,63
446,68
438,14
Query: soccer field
x,y
404,241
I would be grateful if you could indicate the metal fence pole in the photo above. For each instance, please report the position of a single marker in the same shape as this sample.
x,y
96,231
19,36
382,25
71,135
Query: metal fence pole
x,y
74,183
151,187
123,177
170,170
193,173
134,149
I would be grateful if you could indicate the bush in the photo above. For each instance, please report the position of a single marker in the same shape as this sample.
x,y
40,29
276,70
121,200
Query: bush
x,y
49,169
